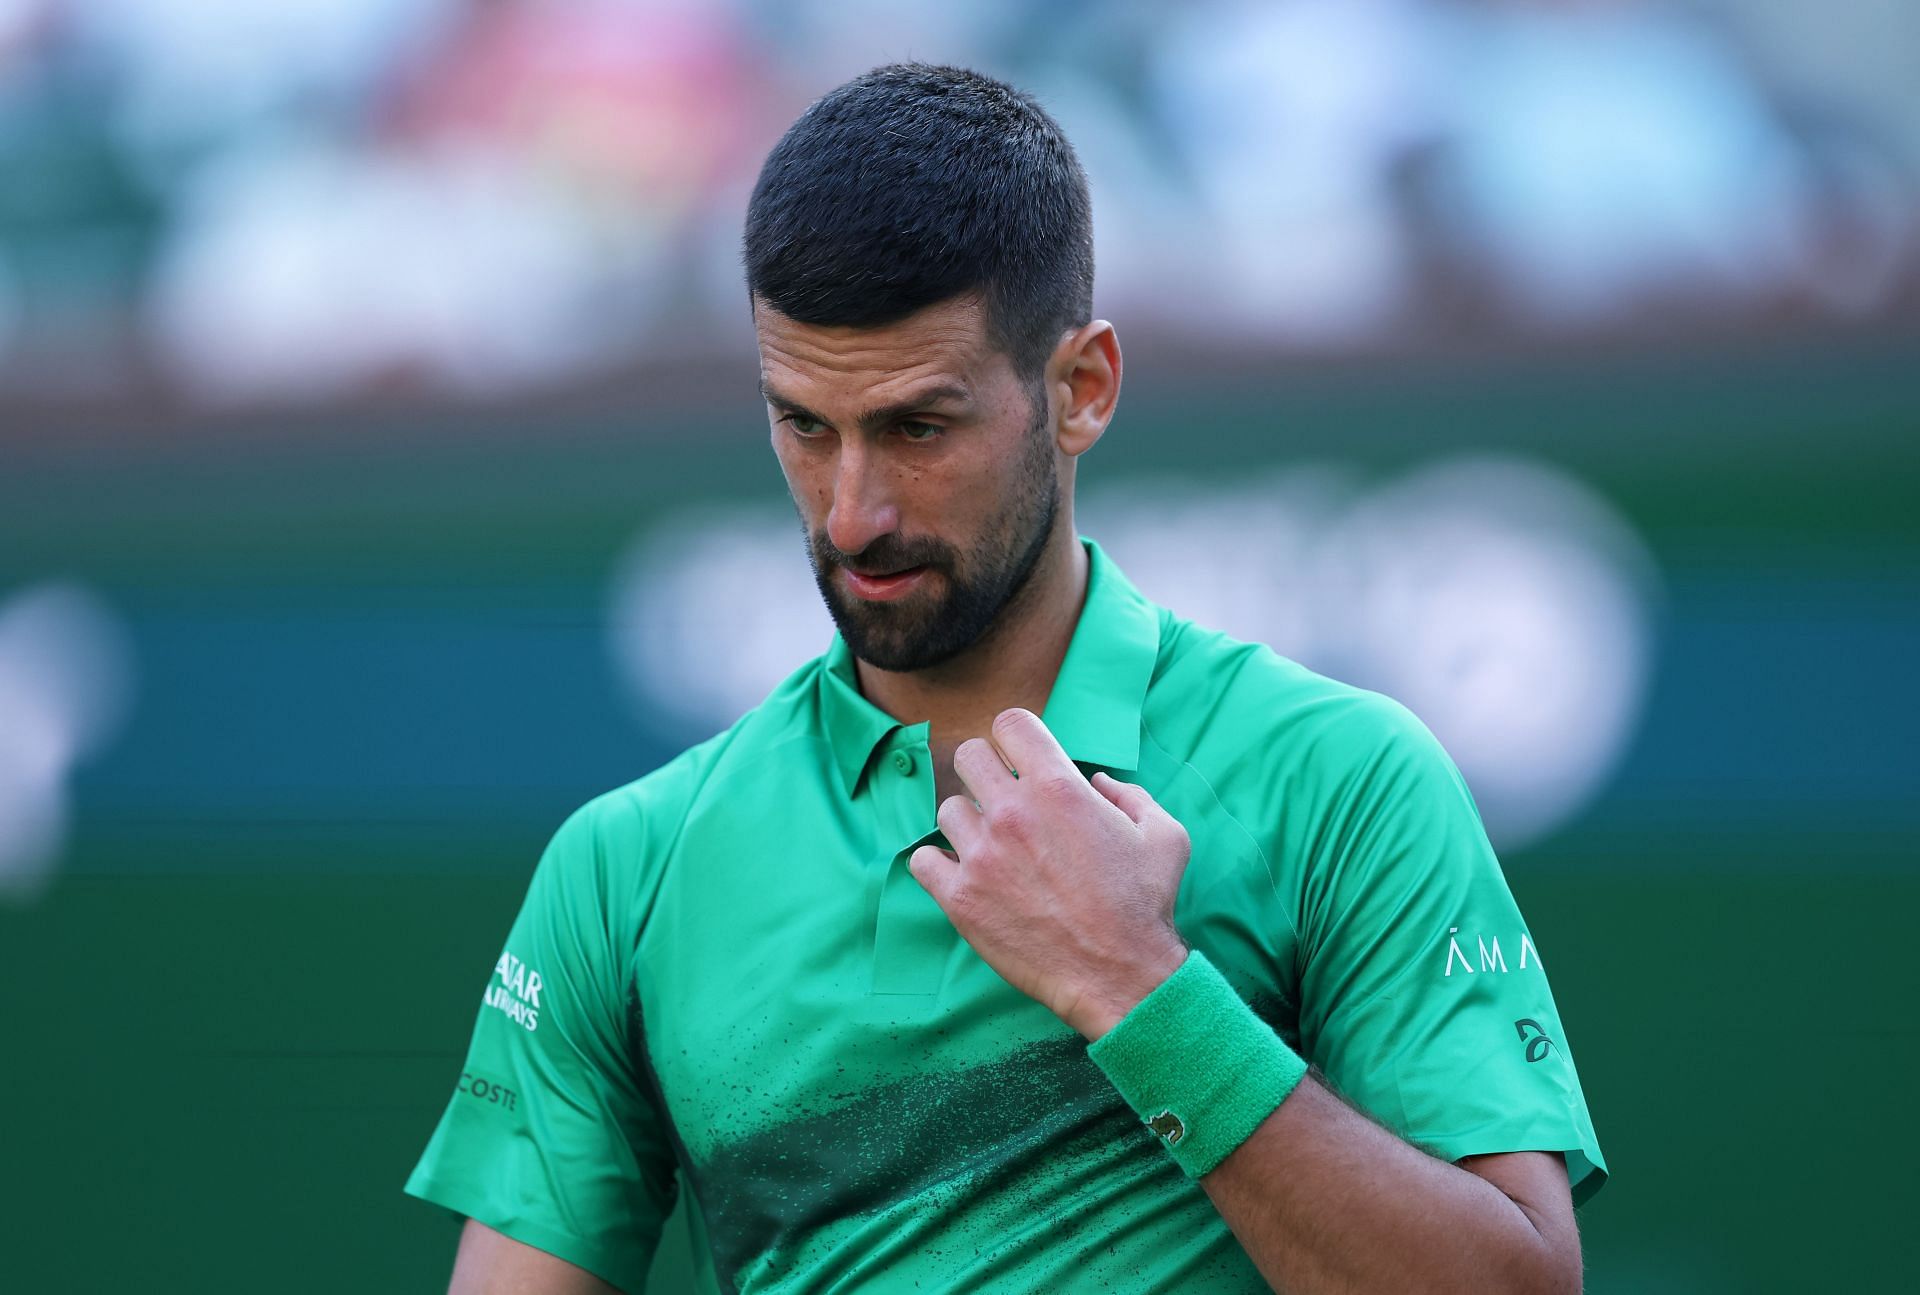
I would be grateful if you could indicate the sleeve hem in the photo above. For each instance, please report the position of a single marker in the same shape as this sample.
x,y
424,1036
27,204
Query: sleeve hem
x,y
1586,1171
627,1271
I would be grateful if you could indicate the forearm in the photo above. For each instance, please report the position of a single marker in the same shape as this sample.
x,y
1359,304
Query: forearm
x,y
1324,1200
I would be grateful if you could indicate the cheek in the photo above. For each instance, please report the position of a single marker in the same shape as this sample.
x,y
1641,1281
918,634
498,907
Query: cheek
x,y
974,498
807,480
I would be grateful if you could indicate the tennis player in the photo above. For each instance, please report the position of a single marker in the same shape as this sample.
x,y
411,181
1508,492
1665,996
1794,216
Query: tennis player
x,y
1032,938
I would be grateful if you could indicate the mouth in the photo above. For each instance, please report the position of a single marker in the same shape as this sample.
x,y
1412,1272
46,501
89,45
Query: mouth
x,y
884,588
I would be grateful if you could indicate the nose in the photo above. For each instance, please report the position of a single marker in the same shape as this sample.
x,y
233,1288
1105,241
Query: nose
x,y
863,505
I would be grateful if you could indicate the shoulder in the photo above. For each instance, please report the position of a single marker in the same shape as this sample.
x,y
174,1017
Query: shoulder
x,y
1241,708
638,821
1346,787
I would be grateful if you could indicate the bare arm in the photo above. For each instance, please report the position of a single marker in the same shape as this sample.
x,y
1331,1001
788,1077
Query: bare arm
x,y
489,1263
1323,1199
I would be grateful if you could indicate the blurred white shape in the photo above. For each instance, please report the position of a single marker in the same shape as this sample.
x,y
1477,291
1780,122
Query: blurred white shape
x,y
1238,558
1144,216
1505,603
18,20
303,272
1507,606
192,69
712,607
66,682
1291,117
1606,154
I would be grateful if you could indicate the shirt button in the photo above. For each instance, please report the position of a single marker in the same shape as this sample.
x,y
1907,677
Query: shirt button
x,y
903,762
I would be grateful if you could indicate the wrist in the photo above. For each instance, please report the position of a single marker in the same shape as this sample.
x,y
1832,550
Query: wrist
x,y
1100,1007
1197,1066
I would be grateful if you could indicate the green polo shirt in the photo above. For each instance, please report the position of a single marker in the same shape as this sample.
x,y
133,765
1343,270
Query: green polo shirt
x,y
724,978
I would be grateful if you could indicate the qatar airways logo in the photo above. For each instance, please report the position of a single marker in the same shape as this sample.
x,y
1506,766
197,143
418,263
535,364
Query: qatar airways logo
x,y
1491,957
515,990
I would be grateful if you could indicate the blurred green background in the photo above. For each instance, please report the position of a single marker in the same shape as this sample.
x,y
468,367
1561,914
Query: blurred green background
x,y
381,477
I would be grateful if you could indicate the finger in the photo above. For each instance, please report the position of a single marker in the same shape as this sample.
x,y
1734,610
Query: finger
x,y
1028,745
933,868
1137,803
1148,814
979,766
962,821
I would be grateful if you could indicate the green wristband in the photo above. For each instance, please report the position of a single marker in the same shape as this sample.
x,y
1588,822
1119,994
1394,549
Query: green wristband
x,y
1198,1067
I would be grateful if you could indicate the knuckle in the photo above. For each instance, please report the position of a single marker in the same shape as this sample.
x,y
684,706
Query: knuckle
x,y
1009,816
1009,719
958,898
1057,786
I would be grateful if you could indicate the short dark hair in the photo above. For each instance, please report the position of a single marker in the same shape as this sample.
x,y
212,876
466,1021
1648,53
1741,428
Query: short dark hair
x,y
913,184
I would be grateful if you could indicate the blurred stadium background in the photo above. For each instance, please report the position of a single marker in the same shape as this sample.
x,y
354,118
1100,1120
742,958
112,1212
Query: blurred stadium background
x,y
381,476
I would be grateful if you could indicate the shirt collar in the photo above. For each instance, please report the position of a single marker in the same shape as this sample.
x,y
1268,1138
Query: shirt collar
x,y
1093,710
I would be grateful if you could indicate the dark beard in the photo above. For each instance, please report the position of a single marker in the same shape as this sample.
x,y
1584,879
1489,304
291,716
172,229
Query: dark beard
x,y
918,632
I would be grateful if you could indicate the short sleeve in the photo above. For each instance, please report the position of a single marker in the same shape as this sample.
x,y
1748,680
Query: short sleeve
x,y
1424,999
551,1136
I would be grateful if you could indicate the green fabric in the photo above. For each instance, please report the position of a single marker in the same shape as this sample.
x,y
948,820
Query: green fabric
x,y
742,990
1197,1066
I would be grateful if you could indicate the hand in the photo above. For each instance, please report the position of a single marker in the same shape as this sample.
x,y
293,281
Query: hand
x,y
1064,886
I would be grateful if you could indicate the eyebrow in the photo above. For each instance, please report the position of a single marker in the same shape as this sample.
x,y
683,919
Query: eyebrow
x,y
884,415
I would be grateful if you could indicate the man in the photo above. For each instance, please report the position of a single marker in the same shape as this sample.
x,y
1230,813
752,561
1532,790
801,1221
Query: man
x,y
992,950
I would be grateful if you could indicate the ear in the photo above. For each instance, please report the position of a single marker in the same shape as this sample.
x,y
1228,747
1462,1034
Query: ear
x,y
1084,377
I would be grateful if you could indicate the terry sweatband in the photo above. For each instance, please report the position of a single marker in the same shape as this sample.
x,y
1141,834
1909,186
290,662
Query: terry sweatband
x,y
1198,1067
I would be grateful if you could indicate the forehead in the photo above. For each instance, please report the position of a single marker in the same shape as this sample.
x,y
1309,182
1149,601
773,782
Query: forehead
x,y
946,341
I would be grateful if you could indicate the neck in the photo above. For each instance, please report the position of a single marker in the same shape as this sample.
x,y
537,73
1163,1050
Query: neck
x,y
1014,664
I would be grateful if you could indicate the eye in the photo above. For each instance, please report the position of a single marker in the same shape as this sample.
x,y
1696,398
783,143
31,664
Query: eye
x,y
802,425
918,431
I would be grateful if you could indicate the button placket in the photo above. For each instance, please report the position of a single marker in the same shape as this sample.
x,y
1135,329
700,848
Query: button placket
x,y
912,937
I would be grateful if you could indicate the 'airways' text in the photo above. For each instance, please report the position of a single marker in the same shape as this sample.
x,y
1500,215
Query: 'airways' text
x,y
516,991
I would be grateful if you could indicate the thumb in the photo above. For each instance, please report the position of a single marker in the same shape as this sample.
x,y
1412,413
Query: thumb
x,y
1135,802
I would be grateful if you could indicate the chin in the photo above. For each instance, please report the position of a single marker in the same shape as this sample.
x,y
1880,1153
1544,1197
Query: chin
x,y
889,651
